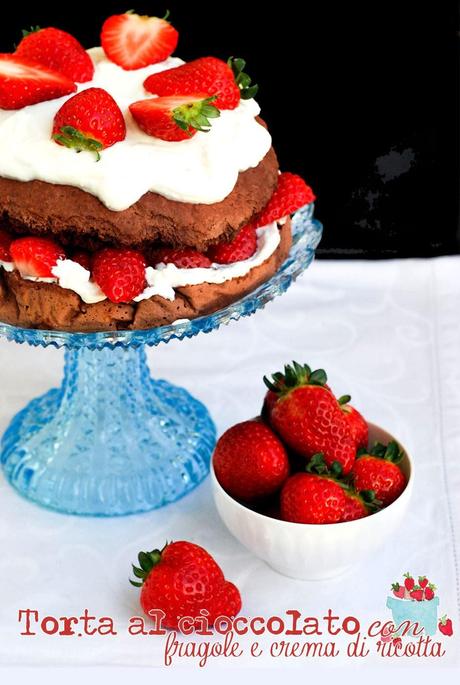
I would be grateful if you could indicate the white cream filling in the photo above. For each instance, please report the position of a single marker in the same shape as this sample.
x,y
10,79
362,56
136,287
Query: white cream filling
x,y
163,278
8,266
203,169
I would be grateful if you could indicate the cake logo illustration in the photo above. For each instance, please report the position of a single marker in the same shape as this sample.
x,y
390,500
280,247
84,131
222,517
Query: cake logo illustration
x,y
414,604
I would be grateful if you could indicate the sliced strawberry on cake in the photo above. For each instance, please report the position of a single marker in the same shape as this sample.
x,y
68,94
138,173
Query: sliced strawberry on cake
x,y
174,118
133,41
24,82
35,257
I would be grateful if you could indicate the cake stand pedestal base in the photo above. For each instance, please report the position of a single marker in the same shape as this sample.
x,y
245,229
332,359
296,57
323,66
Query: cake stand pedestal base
x,y
111,440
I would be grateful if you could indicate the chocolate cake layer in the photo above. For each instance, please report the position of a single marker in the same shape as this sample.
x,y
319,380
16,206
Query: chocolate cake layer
x,y
48,306
78,218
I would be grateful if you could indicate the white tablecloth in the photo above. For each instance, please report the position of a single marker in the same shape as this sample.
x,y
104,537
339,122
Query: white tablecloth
x,y
388,333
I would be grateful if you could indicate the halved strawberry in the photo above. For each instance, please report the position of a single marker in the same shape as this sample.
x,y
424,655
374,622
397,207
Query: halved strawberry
x,y
209,75
24,83
119,273
57,50
133,41
174,118
184,258
35,257
5,242
291,194
90,120
243,246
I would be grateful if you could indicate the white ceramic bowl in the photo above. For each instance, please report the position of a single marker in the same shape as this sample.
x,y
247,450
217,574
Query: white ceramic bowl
x,y
315,552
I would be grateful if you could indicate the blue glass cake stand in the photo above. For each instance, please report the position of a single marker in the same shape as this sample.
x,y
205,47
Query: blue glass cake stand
x,y
111,440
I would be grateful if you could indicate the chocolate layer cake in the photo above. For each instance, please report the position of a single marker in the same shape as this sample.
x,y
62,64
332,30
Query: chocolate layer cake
x,y
174,206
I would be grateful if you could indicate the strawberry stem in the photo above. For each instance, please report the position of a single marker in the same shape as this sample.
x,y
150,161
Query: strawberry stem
x,y
196,115
295,376
76,140
345,399
243,81
147,560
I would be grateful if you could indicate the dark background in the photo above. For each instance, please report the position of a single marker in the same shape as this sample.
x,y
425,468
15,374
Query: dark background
x,y
360,99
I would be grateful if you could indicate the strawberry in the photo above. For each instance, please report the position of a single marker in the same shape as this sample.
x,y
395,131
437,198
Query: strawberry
x,y
209,75
416,593
90,120
5,242
398,590
174,118
422,581
291,194
356,422
308,418
397,641
409,581
133,41
429,591
82,258
445,626
359,505
243,246
269,402
57,50
378,470
250,461
35,257
120,273
183,258
23,83
311,498
181,580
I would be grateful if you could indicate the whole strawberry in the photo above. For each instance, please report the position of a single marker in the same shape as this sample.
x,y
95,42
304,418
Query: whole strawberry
x,y
119,273
243,246
291,194
429,592
57,50
250,461
311,498
183,258
24,82
416,593
174,118
356,422
398,590
182,579
423,581
409,582
309,419
378,470
133,41
445,626
5,242
35,257
210,75
359,504
90,120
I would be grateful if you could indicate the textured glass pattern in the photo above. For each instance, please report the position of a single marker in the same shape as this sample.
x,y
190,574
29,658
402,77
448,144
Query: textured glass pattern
x,y
111,440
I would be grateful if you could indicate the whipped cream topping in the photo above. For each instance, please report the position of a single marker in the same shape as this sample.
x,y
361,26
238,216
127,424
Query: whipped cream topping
x,y
163,278
203,169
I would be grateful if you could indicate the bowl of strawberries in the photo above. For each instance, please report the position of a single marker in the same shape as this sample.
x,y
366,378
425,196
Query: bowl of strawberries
x,y
310,486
